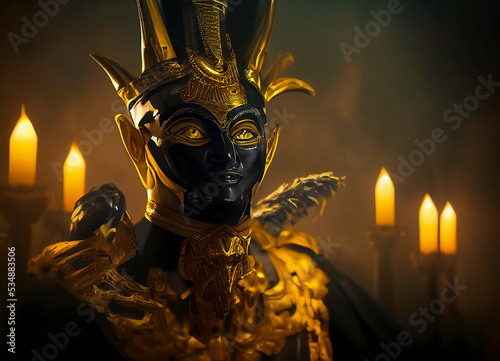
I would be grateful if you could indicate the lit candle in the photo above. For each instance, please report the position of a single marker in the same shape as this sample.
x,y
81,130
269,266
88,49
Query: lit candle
x,y
448,230
428,224
22,153
74,178
384,200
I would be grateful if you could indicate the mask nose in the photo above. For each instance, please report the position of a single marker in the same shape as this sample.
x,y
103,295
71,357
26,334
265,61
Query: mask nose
x,y
223,154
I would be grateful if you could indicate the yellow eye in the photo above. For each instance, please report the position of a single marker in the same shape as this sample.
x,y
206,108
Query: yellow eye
x,y
245,135
191,133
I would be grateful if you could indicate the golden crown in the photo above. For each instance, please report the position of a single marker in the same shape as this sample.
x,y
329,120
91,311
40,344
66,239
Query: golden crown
x,y
211,77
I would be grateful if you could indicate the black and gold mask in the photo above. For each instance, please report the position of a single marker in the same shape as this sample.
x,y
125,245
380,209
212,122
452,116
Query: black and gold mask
x,y
198,137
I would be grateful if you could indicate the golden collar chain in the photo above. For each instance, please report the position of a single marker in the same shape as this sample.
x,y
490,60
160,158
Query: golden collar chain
x,y
184,226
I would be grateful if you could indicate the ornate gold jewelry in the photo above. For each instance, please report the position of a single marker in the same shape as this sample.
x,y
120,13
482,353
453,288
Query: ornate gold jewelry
x,y
219,92
215,260
263,315
186,227
207,13
159,64
158,58
84,262
214,82
172,221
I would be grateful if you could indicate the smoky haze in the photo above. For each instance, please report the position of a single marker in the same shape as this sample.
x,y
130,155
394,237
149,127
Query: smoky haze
x,y
378,97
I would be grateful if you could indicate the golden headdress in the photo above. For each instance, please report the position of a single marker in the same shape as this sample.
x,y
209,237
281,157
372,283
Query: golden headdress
x,y
213,70
186,45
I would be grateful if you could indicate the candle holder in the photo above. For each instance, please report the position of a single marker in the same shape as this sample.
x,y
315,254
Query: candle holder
x,y
434,267
451,321
449,265
431,266
22,206
384,240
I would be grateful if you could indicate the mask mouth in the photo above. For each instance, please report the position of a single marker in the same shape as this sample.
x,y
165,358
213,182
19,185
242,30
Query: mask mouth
x,y
229,178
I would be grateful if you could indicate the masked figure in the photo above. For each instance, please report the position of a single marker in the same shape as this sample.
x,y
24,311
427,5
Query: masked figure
x,y
200,277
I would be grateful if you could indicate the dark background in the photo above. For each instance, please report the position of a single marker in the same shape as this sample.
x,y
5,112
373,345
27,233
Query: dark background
x,y
367,113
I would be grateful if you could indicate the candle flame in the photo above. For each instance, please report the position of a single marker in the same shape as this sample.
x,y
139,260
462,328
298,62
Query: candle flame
x,y
22,152
448,211
74,177
448,230
75,158
427,203
24,127
428,226
384,179
384,200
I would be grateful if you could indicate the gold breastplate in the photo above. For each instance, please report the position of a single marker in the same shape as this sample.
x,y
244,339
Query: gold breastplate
x,y
156,323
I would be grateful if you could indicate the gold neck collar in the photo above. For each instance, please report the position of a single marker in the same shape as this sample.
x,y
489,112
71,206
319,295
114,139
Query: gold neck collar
x,y
184,226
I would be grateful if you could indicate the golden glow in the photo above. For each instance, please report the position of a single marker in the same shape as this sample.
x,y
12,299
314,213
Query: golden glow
x,y
448,230
384,200
22,153
428,225
74,178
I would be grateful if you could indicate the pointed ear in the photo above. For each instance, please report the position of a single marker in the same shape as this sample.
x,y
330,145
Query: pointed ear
x,y
134,143
272,145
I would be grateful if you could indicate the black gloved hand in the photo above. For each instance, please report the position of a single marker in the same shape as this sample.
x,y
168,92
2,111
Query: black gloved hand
x,y
102,205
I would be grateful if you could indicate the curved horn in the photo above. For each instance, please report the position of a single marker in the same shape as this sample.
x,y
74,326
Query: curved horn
x,y
283,85
119,75
156,44
280,64
260,44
